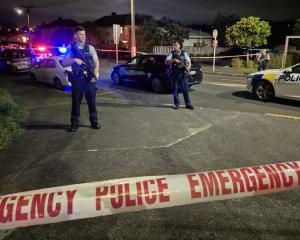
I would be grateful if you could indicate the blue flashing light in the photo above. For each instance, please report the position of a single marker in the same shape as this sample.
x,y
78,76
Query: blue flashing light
x,y
62,50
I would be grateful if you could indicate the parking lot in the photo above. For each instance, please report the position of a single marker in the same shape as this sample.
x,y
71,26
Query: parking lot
x,y
142,135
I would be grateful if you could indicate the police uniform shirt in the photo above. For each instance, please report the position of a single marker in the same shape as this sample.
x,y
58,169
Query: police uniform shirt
x,y
186,56
93,52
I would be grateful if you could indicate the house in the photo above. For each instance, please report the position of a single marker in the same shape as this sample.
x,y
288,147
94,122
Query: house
x,y
105,26
58,32
198,39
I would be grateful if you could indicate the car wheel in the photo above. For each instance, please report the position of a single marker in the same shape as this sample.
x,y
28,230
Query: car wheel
x,y
115,77
33,79
58,84
156,85
263,91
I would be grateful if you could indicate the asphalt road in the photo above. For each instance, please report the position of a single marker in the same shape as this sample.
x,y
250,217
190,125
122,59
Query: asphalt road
x,y
143,136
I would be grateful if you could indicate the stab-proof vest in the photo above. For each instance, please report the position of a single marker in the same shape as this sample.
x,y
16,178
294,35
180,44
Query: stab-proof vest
x,y
85,52
178,67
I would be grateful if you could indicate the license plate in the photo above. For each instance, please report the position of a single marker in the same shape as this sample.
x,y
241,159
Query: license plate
x,y
193,72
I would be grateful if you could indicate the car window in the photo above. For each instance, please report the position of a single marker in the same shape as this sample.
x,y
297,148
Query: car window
x,y
17,53
43,63
51,63
296,69
148,60
135,60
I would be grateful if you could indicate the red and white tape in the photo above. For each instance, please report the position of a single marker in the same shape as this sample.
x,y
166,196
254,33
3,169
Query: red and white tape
x,y
96,199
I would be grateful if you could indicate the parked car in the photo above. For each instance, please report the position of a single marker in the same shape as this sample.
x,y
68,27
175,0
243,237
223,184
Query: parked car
x,y
150,69
265,85
50,70
16,60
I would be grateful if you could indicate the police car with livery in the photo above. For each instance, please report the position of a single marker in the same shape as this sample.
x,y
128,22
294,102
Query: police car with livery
x,y
285,83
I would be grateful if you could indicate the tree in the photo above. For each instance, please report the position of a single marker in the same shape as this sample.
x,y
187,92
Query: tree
x,y
297,27
221,23
163,33
148,35
248,32
174,30
296,31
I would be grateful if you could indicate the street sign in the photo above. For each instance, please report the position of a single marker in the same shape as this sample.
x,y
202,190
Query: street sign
x,y
117,30
215,33
214,43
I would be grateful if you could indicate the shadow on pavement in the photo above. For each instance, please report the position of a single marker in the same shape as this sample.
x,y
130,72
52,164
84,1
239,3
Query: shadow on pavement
x,y
277,101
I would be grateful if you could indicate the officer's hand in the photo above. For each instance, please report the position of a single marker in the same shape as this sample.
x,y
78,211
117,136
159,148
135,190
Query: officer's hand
x,y
94,80
176,60
78,61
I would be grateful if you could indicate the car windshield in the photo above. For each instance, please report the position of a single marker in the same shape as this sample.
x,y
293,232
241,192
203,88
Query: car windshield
x,y
17,53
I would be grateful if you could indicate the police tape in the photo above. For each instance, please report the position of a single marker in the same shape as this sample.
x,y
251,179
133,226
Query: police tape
x,y
96,199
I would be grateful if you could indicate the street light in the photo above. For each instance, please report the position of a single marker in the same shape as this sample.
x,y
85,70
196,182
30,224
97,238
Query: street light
x,y
27,9
133,40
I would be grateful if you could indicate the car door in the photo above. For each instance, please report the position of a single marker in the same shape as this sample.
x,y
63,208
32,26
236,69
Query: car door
x,y
145,68
40,71
51,70
130,70
289,83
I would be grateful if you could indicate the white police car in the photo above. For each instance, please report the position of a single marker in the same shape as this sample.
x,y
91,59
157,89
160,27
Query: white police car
x,y
266,85
50,70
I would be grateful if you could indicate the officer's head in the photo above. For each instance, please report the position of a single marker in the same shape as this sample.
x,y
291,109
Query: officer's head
x,y
177,45
79,33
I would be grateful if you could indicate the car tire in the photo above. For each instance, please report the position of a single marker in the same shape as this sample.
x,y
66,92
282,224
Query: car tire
x,y
58,85
156,85
115,77
264,91
33,79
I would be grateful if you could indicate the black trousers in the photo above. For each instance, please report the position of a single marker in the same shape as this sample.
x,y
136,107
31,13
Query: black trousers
x,y
80,87
179,80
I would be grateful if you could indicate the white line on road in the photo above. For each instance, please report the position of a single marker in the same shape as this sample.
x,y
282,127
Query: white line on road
x,y
192,132
226,84
283,116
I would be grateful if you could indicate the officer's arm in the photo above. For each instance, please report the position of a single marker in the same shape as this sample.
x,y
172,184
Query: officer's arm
x,y
188,61
68,58
169,59
96,61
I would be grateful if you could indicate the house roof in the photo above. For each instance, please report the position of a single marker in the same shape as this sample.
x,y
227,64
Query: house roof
x,y
62,23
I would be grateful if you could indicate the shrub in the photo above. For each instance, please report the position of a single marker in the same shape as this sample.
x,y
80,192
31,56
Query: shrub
x,y
237,63
11,118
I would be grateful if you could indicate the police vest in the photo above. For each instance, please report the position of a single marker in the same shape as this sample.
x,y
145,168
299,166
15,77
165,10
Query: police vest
x,y
83,54
178,67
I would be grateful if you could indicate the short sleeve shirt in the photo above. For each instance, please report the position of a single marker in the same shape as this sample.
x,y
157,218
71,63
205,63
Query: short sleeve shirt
x,y
93,52
186,57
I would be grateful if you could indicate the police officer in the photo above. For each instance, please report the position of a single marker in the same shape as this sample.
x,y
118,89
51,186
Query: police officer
x,y
180,63
84,61
263,60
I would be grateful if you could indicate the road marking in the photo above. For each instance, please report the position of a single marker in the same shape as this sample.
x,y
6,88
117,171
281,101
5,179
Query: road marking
x,y
226,84
282,116
192,132
233,80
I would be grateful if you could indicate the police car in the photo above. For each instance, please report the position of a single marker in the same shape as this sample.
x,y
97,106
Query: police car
x,y
50,70
266,85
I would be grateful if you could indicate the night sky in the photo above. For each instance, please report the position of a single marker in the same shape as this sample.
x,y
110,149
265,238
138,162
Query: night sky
x,y
187,11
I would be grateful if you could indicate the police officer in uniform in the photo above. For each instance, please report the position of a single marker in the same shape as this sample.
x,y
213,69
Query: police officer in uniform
x,y
180,64
263,59
84,61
